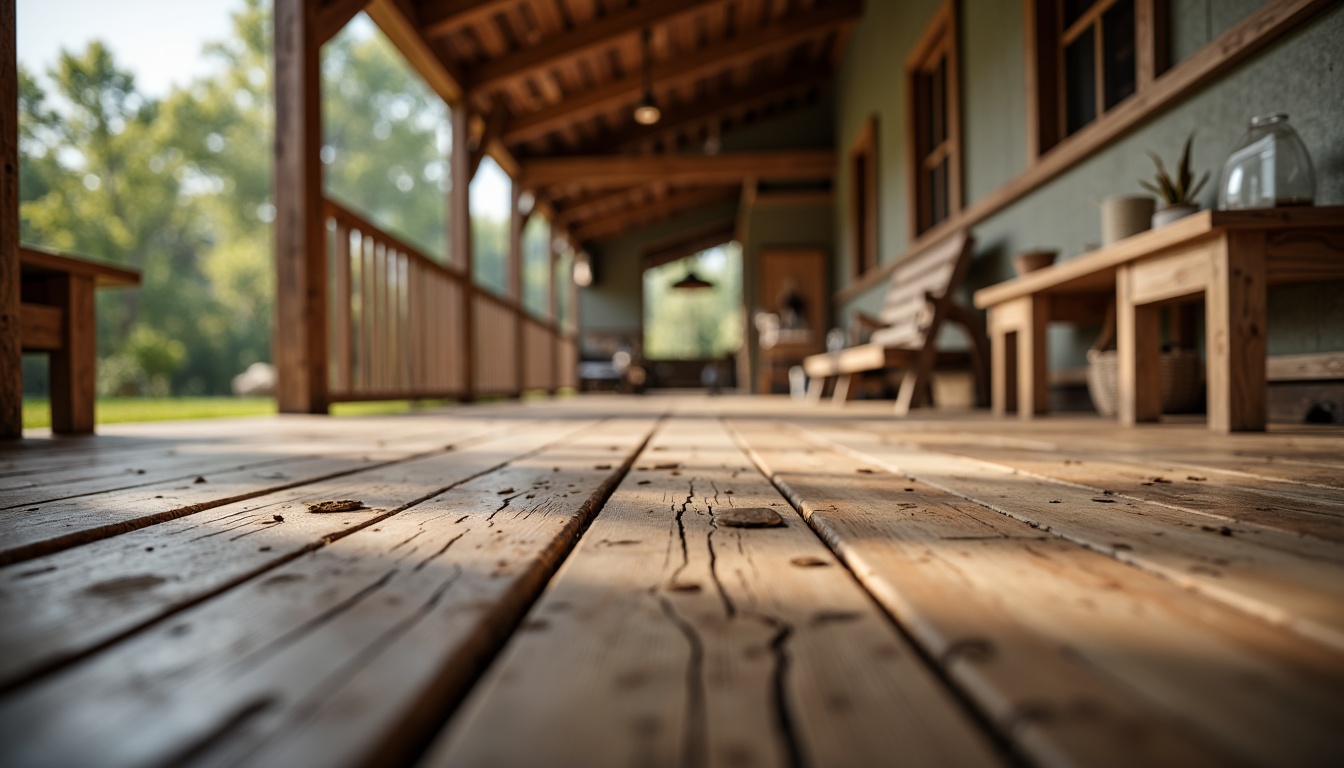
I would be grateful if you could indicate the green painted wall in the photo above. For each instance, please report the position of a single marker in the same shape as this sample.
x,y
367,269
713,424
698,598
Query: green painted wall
x,y
1302,74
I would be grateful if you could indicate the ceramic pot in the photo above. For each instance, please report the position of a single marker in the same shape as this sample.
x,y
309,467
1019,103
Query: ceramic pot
x,y
1033,260
1169,213
1125,215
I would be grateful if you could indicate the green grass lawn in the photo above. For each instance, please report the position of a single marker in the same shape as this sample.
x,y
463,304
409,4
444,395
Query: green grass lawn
x,y
37,411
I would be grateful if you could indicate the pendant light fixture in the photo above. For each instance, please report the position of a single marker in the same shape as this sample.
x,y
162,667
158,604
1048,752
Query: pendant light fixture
x,y
691,283
647,113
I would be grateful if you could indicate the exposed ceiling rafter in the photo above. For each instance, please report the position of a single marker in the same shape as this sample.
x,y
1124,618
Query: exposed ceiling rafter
x,y
685,69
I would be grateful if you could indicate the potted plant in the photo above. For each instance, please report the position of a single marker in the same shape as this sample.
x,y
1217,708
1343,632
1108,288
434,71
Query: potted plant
x,y
1177,194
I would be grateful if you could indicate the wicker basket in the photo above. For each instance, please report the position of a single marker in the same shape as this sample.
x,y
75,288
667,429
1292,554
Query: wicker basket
x,y
1181,385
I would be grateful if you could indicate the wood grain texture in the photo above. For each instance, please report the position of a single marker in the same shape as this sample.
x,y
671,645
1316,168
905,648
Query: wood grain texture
x,y
300,343
1192,543
349,652
11,349
675,639
1062,599
28,532
62,606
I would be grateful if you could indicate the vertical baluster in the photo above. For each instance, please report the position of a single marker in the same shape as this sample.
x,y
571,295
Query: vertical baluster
x,y
341,302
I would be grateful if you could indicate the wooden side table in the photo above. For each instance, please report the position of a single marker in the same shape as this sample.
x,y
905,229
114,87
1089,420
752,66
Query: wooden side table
x,y
1229,257
57,317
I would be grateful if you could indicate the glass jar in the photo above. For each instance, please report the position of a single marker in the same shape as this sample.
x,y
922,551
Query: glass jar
x,y
1270,168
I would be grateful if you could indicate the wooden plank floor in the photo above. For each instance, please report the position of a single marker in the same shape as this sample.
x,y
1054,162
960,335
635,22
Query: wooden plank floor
x,y
672,580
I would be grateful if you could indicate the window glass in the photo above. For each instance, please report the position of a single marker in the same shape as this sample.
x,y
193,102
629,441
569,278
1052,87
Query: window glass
x,y
490,193
536,264
1080,83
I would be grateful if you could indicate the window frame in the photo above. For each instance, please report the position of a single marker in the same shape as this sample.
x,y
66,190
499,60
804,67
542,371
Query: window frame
x,y
863,210
1046,40
938,43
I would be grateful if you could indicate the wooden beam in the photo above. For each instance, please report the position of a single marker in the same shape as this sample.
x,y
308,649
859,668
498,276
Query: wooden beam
x,y
731,102
300,346
624,221
684,69
612,170
594,204
490,130
404,33
11,345
688,244
582,41
442,17
334,15
459,241
1308,367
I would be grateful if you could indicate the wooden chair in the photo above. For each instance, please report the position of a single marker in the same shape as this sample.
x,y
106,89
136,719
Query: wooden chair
x,y
918,302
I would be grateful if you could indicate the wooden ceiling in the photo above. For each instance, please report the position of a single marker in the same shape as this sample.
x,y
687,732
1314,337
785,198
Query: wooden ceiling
x,y
556,81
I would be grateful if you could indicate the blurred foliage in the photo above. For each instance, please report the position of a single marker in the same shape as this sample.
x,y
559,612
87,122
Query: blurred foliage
x,y
180,189
694,324
491,196
536,265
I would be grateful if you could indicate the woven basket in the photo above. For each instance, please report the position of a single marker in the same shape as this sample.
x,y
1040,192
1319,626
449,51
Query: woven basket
x,y
1181,386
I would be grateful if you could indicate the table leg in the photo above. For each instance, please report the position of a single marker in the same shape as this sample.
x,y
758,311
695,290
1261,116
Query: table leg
x,y
998,367
1138,343
1235,332
1033,380
72,366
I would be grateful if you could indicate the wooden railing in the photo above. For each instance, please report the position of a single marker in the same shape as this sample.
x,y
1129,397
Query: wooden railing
x,y
397,330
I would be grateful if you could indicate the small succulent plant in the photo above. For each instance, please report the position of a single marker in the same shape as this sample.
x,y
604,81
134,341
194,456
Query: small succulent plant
x,y
1182,189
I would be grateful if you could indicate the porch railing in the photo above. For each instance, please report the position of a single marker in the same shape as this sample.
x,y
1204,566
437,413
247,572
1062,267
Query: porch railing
x,y
396,326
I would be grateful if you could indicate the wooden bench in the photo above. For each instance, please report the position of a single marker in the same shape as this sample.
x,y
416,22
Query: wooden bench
x,y
57,317
1227,257
918,302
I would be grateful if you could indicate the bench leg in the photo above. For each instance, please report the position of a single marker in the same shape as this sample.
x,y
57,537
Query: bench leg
x,y
72,366
814,389
998,371
841,394
1138,337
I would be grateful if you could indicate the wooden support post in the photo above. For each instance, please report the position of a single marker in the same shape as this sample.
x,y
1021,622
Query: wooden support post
x,y
11,344
459,223
300,347
516,223
72,366
1138,343
1235,307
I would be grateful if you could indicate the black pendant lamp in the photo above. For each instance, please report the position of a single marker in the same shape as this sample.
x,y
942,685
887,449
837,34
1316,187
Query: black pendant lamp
x,y
647,112
691,283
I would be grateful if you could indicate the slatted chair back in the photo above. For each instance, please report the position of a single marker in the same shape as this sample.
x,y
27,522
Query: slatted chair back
x,y
934,273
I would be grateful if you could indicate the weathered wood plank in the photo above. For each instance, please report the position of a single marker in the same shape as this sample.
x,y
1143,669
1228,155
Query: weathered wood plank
x,y
345,656
676,639
29,532
1287,579
1076,657
1296,508
187,461
60,607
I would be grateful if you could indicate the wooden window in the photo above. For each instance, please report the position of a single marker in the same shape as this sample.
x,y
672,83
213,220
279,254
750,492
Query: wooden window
x,y
863,199
934,123
1088,56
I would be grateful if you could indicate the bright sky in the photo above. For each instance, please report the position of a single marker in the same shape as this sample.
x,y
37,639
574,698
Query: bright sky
x,y
159,40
